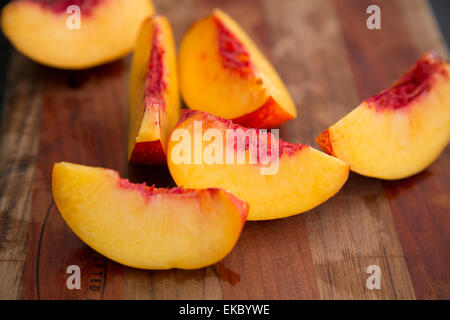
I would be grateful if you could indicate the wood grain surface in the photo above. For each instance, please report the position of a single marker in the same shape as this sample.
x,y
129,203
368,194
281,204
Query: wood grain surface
x,y
329,61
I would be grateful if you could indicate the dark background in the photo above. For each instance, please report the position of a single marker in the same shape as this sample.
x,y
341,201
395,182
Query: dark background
x,y
441,9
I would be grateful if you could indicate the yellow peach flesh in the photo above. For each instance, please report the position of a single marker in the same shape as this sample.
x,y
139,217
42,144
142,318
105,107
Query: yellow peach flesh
x,y
107,32
395,142
304,179
153,107
229,92
145,227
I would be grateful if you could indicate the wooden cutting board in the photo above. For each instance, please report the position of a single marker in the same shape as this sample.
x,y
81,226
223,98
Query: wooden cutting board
x,y
329,61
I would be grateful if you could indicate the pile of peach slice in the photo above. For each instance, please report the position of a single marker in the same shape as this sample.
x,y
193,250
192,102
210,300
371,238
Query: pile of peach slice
x,y
229,85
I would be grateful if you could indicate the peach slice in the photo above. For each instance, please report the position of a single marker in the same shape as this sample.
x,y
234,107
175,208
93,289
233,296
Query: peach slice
x,y
154,105
147,227
297,177
402,130
223,72
44,31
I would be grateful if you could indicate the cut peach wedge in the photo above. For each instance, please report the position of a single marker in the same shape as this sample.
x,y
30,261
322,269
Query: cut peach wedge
x,y
48,31
147,227
402,130
223,72
278,179
154,104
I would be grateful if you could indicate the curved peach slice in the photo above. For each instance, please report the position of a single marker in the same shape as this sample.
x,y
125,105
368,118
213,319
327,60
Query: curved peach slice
x,y
147,227
223,72
154,104
277,178
402,130
56,34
